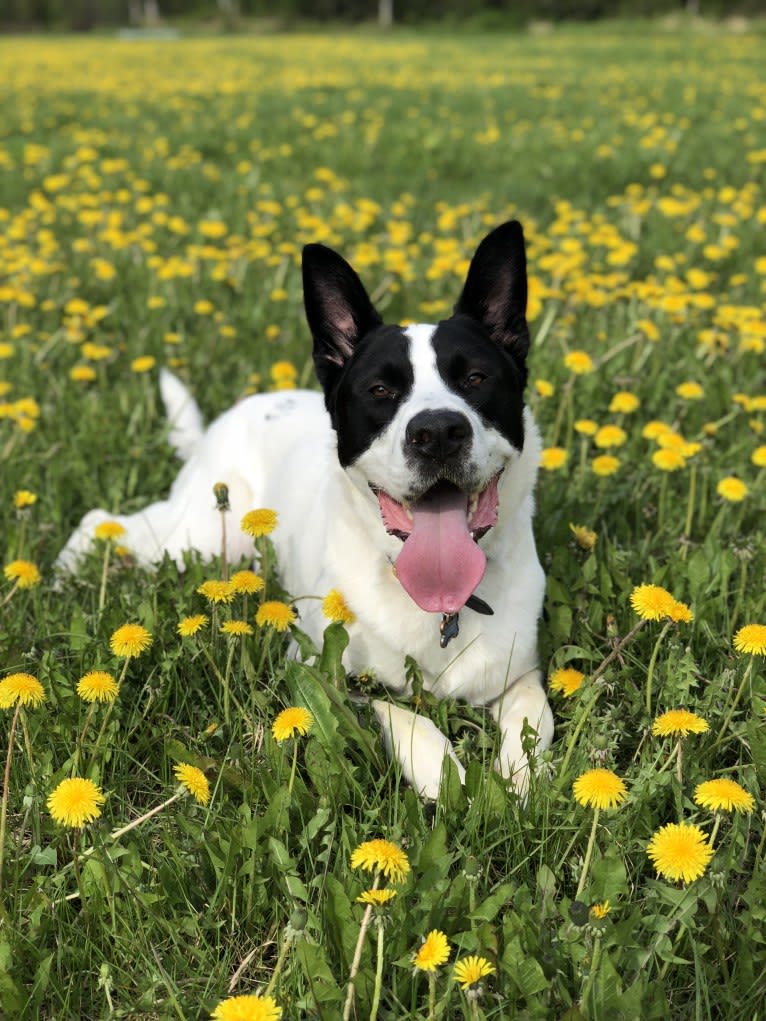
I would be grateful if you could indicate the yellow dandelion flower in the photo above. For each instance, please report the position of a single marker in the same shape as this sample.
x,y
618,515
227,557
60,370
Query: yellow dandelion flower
x,y
22,688
82,374
109,530
236,628
599,788
579,362
335,608
751,639
567,680
143,364
679,851
732,489
553,458
544,388
690,391
601,910
651,602
679,723
216,591
291,721
584,537
23,572
586,427
25,498
261,521
130,640
723,795
247,1008
376,897
433,952
283,370
246,582
97,686
471,970
624,403
668,460
75,802
605,465
191,625
194,780
610,436
758,457
381,855
680,612
276,614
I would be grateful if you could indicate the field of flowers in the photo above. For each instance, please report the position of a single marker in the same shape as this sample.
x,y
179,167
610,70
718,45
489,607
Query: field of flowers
x,y
190,825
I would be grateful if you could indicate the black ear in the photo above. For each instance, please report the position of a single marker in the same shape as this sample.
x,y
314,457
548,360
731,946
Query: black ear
x,y
495,291
338,310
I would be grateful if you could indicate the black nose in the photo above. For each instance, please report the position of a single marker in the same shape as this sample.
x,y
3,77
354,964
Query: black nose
x,y
438,435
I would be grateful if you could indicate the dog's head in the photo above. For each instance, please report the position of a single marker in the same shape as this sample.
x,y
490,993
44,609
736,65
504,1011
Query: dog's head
x,y
427,417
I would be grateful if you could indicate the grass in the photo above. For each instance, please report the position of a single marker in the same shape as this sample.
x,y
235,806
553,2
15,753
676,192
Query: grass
x,y
155,199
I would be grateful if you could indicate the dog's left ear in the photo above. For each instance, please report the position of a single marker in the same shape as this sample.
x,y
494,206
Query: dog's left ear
x,y
495,291
338,310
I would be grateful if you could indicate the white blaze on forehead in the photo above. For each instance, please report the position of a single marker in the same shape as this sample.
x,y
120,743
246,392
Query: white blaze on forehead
x,y
429,391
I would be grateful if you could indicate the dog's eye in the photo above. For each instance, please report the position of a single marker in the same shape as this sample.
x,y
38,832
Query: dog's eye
x,y
473,380
382,392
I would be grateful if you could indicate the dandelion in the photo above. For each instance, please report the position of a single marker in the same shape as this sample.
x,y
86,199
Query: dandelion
x,y
97,686
544,388
24,573
433,952
292,721
668,460
21,689
567,680
758,457
276,614
246,582
690,391
216,590
471,970
679,851
584,536
553,458
624,403
610,436
732,489
24,498
143,364
384,856
189,626
75,802
723,795
599,788
130,640
194,780
579,362
605,465
236,628
335,608
247,1008
109,530
751,639
586,427
376,897
651,602
601,910
679,723
259,522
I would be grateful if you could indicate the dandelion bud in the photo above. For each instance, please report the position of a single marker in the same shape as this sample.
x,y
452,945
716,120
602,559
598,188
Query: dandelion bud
x,y
221,491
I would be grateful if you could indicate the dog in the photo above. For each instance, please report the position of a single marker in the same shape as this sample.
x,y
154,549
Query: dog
x,y
407,485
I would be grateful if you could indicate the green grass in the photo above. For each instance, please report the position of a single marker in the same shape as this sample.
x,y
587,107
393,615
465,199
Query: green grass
x,y
635,159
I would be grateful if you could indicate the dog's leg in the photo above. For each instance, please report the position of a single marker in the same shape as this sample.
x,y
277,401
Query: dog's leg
x,y
524,701
419,746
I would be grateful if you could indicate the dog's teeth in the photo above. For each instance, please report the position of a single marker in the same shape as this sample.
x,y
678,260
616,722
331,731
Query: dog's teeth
x,y
473,503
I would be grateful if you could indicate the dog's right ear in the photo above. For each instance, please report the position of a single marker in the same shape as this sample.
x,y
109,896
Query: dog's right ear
x,y
338,310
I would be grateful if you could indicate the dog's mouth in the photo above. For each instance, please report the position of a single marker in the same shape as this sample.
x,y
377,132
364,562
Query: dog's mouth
x,y
440,563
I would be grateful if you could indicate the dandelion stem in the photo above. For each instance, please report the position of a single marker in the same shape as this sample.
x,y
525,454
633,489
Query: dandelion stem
x,y
226,676
286,941
738,695
292,768
689,509
594,963
652,664
366,917
224,559
378,971
104,572
588,855
116,834
81,743
10,594
563,408
6,787
714,831
432,996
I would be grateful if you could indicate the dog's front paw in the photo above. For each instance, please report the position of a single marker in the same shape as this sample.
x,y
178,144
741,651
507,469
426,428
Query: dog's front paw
x,y
418,745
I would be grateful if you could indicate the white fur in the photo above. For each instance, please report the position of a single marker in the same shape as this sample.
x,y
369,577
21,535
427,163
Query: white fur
x,y
279,451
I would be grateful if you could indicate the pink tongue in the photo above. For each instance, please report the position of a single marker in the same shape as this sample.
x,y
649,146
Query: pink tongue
x,y
440,565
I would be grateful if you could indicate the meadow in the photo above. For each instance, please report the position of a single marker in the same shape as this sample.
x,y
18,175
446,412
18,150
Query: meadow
x,y
214,859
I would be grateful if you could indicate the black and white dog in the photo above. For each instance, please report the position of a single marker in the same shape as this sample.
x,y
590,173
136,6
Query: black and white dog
x,y
407,486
